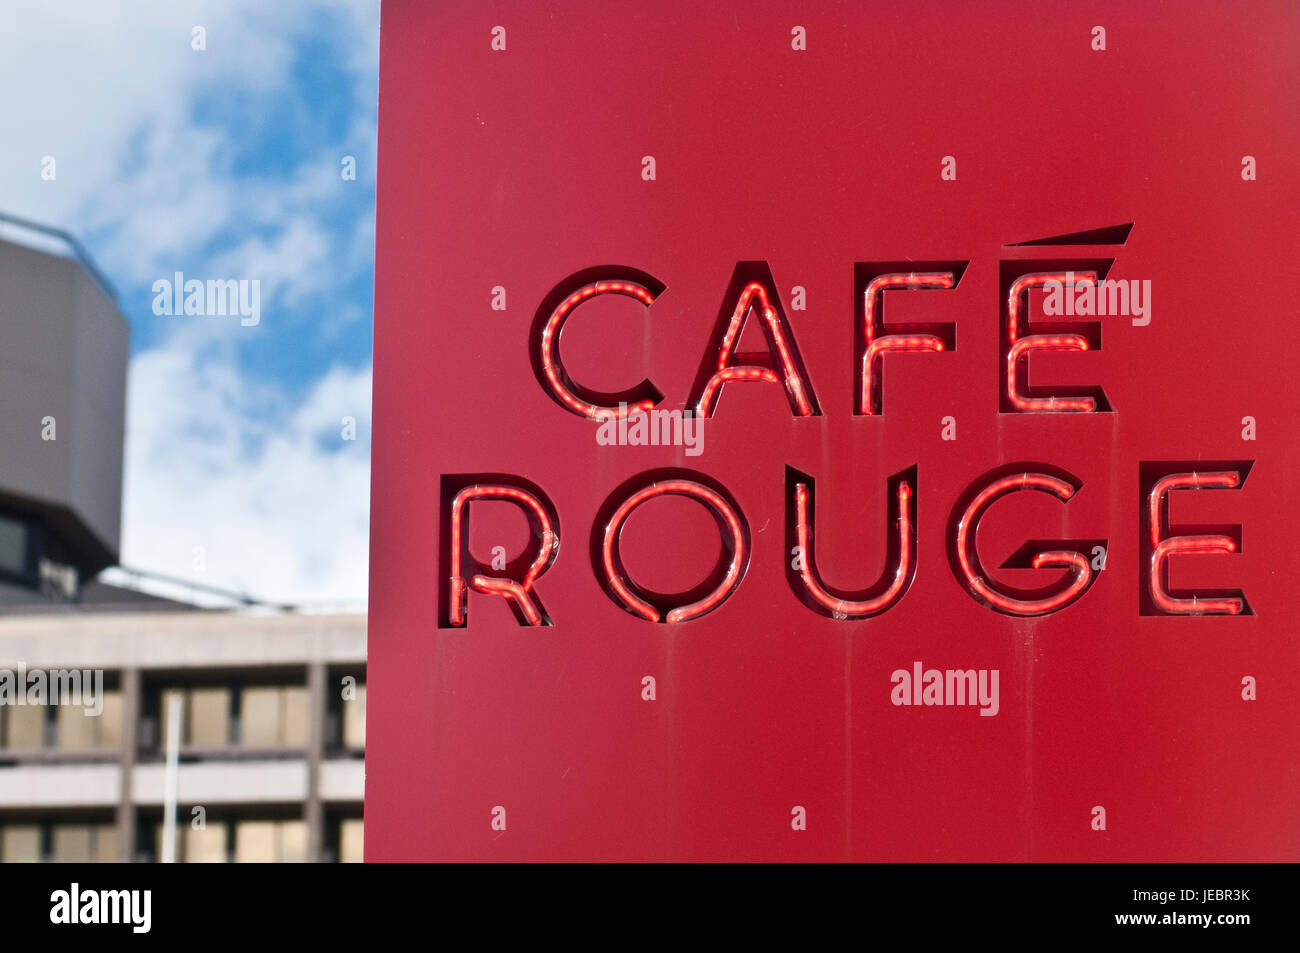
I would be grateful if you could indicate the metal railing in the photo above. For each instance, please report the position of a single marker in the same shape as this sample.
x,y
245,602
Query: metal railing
x,y
78,251
135,576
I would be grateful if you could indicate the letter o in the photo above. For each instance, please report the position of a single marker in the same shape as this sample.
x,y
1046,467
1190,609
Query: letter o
x,y
732,528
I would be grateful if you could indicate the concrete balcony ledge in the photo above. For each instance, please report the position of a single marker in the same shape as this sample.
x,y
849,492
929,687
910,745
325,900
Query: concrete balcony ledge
x,y
60,785
37,785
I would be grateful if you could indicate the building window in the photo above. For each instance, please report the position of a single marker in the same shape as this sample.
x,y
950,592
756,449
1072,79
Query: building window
x,y
209,716
76,843
270,842
24,726
205,716
351,840
256,715
354,719
273,716
20,843
205,845
345,712
110,722
69,727
14,538
244,840
75,729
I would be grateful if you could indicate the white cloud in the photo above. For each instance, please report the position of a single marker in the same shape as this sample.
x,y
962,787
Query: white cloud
x,y
110,92
285,518
291,266
216,457
97,75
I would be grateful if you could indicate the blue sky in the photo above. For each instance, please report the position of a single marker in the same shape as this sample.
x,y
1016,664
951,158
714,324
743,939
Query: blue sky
x,y
220,163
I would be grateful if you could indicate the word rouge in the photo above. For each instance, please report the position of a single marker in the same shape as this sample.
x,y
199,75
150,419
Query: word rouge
x,y
752,291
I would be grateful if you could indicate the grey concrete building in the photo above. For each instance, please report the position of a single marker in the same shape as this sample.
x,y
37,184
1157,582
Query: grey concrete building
x,y
272,737
272,703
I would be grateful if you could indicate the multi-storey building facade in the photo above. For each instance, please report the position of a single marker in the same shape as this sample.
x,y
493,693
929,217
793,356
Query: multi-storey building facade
x,y
271,741
271,723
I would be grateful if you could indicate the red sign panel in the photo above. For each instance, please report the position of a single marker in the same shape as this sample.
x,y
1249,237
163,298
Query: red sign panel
x,y
835,431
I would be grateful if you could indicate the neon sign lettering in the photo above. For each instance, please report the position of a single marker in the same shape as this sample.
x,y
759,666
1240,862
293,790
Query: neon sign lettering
x,y
753,292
